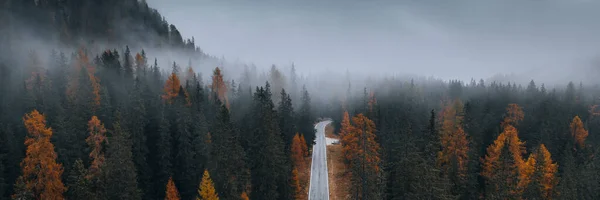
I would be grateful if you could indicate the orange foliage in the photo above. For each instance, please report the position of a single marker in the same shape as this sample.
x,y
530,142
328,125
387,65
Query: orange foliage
x,y
244,196
522,169
218,87
95,140
84,62
171,88
140,62
455,146
296,184
172,193
190,75
41,173
361,138
345,132
578,131
514,114
297,152
548,169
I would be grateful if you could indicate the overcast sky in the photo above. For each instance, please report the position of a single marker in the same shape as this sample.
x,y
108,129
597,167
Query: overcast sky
x,y
442,38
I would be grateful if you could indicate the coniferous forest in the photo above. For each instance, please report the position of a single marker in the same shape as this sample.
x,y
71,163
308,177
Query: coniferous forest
x,y
91,108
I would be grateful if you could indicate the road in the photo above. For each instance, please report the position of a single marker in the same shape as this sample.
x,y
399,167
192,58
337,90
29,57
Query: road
x,y
319,181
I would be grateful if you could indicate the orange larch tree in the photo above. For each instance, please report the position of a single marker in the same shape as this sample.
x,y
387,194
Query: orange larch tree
x,y
345,131
505,171
219,87
41,173
578,132
453,139
297,153
546,172
172,192
96,141
296,184
362,154
171,88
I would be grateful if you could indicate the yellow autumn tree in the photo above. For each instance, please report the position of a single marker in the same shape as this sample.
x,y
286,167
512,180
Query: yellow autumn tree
x,y
172,193
95,141
207,188
171,88
453,139
546,172
505,171
41,173
578,132
218,87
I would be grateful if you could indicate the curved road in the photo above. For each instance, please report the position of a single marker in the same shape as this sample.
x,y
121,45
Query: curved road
x,y
319,181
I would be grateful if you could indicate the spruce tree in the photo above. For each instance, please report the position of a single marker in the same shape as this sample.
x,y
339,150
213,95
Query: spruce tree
x,y
306,119
230,173
120,175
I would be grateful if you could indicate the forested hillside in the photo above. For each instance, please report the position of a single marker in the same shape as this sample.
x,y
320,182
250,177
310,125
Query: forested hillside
x,y
90,110
437,140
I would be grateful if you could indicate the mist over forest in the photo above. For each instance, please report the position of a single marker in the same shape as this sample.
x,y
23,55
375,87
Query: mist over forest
x,y
204,99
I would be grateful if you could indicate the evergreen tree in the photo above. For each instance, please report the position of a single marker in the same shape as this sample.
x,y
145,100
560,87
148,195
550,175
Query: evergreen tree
x,y
227,157
79,184
286,118
120,175
306,119
269,166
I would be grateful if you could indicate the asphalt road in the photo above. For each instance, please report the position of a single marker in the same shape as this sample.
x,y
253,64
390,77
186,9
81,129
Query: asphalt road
x,y
319,181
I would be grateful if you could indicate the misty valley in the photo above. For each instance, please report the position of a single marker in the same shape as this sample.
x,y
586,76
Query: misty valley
x,y
106,99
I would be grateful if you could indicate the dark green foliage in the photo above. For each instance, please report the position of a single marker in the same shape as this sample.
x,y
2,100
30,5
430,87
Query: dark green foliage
x,y
306,119
286,119
269,167
120,176
228,162
79,186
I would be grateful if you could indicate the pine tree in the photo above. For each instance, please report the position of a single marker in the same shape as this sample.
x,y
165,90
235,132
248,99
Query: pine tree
x,y
306,119
41,174
119,172
207,188
171,191
163,157
269,169
79,185
286,118
230,171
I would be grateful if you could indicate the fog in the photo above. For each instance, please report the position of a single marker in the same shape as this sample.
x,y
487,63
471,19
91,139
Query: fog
x,y
548,40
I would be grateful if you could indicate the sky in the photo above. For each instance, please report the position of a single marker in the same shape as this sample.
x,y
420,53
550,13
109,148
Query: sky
x,y
462,39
